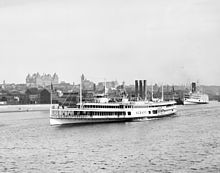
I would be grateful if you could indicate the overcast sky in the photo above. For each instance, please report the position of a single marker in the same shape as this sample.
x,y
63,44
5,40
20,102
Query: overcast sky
x,y
172,41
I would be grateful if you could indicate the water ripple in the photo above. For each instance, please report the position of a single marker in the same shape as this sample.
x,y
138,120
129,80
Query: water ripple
x,y
187,142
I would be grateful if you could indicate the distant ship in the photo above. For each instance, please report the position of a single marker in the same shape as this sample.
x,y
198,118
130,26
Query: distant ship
x,y
101,110
195,97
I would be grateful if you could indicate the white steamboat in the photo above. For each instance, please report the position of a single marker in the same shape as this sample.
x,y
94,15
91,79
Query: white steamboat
x,y
195,97
104,111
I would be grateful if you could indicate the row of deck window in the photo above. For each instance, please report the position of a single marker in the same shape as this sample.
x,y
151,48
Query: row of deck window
x,y
161,105
123,106
107,106
87,113
151,106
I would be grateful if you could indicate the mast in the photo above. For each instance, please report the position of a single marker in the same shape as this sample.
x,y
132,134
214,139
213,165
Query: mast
x,y
152,92
51,94
51,98
80,92
104,87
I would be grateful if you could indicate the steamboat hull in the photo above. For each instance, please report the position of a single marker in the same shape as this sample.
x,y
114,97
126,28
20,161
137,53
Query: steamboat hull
x,y
63,121
188,102
89,120
162,115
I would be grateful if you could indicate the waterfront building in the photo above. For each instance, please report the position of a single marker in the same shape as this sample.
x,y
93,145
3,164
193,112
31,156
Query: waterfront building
x,y
39,96
87,84
44,96
109,85
32,95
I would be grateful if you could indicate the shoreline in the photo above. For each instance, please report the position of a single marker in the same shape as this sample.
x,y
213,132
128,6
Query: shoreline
x,y
24,108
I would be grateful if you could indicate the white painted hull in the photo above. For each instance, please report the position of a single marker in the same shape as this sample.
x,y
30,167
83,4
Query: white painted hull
x,y
85,121
194,102
63,121
162,115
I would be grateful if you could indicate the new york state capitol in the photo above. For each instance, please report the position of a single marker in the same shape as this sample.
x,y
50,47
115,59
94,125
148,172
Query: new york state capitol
x,y
44,80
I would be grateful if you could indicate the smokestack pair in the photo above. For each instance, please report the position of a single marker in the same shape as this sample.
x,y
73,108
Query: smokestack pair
x,y
140,89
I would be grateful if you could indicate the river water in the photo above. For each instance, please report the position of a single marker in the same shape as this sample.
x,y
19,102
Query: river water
x,y
186,142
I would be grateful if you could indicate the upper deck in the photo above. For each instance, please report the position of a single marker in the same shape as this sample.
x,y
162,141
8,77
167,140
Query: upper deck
x,y
122,105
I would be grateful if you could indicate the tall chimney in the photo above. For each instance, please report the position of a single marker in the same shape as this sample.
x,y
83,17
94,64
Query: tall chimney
x,y
140,89
144,90
193,87
136,88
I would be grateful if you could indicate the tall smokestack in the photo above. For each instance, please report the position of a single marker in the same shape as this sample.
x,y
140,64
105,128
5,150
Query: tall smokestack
x,y
144,90
152,92
193,87
136,88
140,89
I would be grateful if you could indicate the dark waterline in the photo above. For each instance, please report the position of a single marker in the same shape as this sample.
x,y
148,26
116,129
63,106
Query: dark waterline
x,y
186,142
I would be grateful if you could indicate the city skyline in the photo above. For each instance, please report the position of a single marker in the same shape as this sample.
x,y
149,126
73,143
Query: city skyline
x,y
172,42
